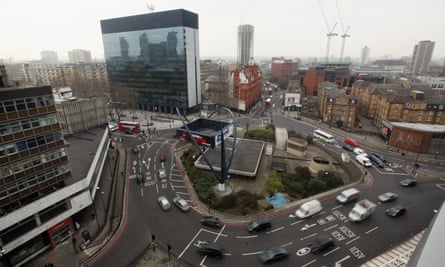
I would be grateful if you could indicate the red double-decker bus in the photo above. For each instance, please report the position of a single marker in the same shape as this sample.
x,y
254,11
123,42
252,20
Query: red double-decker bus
x,y
129,126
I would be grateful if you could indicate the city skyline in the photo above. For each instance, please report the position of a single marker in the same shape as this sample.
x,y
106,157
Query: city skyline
x,y
282,28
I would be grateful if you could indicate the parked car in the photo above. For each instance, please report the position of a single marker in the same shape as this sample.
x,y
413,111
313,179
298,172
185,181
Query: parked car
x,y
273,254
376,160
387,197
164,203
259,225
395,211
211,249
211,221
408,182
181,204
321,244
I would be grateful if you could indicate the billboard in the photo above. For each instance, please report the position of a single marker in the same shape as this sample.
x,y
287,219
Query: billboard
x,y
292,99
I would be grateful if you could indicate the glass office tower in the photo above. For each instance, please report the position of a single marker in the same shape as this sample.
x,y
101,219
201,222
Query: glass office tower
x,y
154,58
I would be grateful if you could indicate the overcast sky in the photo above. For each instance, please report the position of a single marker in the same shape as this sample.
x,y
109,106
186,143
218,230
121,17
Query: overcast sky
x,y
289,28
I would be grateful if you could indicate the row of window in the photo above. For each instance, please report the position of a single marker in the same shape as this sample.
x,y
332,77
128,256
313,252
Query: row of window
x,y
28,123
33,180
31,162
22,145
18,104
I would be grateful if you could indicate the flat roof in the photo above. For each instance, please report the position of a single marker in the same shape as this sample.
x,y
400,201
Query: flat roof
x,y
246,157
82,148
432,128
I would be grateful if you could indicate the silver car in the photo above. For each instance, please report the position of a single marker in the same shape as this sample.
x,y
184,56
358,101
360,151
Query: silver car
x,y
164,203
162,173
181,204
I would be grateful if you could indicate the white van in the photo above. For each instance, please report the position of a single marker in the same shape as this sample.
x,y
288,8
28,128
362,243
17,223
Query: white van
x,y
308,209
347,196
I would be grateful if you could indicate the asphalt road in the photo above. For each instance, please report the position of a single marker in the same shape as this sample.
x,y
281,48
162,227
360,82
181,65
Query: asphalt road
x,y
356,243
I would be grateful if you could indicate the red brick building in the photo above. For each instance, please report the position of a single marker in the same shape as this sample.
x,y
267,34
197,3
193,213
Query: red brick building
x,y
247,86
312,79
283,70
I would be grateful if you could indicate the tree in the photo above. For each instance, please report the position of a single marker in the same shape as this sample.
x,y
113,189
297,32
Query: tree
x,y
273,183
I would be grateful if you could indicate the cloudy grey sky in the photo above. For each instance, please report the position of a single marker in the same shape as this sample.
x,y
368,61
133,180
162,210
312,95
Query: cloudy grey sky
x,y
289,28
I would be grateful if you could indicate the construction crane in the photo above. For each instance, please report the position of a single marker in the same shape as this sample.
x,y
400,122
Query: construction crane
x,y
345,33
330,32
344,36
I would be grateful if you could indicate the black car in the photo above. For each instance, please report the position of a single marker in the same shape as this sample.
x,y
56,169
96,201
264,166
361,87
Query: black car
x,y
347,147
380,157
211,221
273,254
395,211
376,160
211,249
259,225
321,243
408,182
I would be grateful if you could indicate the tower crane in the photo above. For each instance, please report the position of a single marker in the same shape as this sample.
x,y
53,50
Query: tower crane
x,y
330,32
343,36
345,33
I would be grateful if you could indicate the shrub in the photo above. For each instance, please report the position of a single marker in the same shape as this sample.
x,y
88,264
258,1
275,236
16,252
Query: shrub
x,y
247,199
273,183
229,201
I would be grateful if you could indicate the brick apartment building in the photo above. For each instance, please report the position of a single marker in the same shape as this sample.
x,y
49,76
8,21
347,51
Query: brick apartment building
x,y
283,70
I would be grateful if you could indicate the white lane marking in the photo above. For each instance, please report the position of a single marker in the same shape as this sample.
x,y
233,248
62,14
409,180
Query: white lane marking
x,y
308,236
330,227
247,236
337,263
275,230
300,221
309,263
331,251
337,207
252,253
352,240
287,244
189,244
373,229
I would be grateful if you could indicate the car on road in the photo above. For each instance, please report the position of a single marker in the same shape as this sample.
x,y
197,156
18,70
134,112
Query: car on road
x,y
395,211
273,254
162,158
358,151
363,160
164,203
162,173
181,204
259,225
135,150
211,249
348,147
321,244
379,156
376,160
211,221
408,182
387,197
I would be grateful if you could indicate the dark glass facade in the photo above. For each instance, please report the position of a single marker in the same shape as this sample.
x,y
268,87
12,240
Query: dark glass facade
x,y
155,57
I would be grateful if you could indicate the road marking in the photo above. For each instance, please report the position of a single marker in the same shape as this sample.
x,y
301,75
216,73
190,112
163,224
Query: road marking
x,y
337,207
275,230
213,233
300,221
330,227
246,236
309,263
352,240
331,251
287,244
373,229
189,244
308,236
252,253
337,263
441,186
303,251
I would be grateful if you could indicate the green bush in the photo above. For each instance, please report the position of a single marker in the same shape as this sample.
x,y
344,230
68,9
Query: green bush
x,y
229,201
273,183
247,199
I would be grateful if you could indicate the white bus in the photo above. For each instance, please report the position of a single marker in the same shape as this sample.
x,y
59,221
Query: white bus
x,y
325,137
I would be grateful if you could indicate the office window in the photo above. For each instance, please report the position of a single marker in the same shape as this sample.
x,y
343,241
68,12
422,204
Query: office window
x,y
9,105
20,104
30,103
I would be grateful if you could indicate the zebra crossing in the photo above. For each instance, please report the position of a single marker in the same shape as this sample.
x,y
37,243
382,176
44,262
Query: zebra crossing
x,y
397,256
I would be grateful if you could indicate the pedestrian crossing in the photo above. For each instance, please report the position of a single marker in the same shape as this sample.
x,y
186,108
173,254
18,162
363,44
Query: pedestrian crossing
x,y
398,256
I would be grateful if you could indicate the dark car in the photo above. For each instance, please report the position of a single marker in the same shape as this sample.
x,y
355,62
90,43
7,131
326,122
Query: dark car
x,y
348,147
259,225
408,182
211,221
395,211
211,249
273,254
376,160
380,157
387,197
321,243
